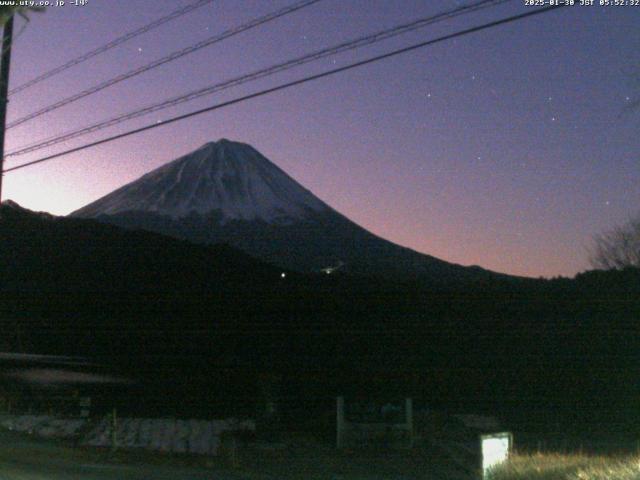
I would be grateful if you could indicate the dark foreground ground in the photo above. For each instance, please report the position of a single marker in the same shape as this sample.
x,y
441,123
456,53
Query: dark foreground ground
x,y
25,458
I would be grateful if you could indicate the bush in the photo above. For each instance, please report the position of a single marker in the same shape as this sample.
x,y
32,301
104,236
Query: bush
x,y
567,467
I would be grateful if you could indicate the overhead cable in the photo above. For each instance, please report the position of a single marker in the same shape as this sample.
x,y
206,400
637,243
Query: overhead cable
x,y
311,57
294,83
112,44
166,59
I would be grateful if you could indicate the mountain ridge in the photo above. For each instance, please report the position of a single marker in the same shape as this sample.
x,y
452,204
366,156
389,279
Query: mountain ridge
x,y
228,192
45,253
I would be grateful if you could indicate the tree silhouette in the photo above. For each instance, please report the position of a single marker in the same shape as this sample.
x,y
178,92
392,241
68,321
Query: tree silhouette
x,y
618,248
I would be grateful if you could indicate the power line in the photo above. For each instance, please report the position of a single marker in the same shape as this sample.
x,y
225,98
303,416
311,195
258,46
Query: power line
x,y
166,59
112,44
311,57
291,84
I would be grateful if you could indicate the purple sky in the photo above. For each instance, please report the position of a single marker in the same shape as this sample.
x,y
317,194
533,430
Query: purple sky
x,y
507,148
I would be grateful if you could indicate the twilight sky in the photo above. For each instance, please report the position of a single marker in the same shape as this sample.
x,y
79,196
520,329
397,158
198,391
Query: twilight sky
x,y
507,148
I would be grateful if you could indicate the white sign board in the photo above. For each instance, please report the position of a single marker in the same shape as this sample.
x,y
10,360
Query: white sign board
x,y
495,449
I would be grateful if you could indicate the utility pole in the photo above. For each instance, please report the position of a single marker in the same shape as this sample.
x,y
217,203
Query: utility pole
x,y
7,37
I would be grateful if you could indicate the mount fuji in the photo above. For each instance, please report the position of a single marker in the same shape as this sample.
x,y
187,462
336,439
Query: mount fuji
x,y
228,192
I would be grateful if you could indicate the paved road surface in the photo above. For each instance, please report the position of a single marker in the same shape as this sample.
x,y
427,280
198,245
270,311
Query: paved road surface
x,y
27,458
24,458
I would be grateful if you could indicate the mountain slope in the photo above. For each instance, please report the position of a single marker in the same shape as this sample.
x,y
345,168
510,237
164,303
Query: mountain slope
x,y
227,192
43,253
205,319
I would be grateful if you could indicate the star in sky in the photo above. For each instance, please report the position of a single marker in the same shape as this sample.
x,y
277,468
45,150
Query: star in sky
x,y
502,81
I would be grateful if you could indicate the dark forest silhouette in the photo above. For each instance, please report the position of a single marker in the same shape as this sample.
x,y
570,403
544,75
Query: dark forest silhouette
x,y
212,319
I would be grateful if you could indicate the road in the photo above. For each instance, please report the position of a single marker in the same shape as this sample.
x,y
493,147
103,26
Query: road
x,y
25,458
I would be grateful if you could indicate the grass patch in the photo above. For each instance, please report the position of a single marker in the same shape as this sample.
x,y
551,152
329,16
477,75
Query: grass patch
x,y
550,466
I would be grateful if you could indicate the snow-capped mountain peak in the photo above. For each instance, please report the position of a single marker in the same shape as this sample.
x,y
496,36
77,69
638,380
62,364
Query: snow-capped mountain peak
x,y
227,192
229,178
